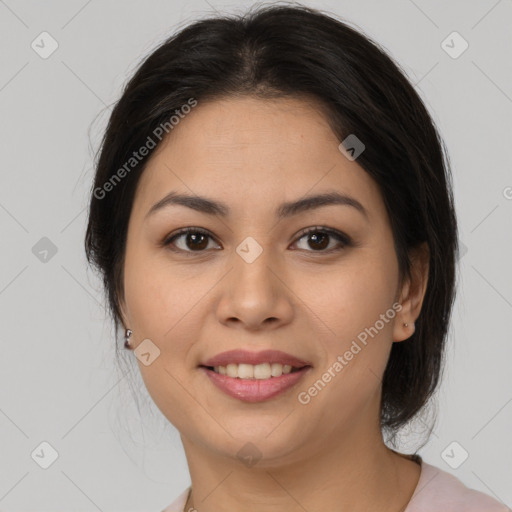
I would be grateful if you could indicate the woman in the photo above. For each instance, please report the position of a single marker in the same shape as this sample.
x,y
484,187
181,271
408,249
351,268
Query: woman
x,y
273,218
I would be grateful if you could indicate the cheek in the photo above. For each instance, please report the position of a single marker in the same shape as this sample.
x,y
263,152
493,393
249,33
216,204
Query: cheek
x,y
151,293
354,298
161,305
357,343
166,303
356,302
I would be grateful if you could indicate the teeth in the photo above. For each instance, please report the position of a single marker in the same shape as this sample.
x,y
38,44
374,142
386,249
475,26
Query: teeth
x,y
232,370
262,371
250,371
245,371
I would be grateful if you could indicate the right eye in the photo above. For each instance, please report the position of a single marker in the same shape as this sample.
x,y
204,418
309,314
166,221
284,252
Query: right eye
x,y
193,240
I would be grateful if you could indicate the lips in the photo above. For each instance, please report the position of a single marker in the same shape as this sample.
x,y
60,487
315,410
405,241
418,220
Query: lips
x,y
255,390
259,388
240,356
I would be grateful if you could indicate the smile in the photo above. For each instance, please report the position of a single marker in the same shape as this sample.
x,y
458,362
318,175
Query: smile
x,y
251,371
270,380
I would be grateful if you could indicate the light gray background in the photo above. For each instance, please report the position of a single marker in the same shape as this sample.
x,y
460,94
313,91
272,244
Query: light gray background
x,y
58,381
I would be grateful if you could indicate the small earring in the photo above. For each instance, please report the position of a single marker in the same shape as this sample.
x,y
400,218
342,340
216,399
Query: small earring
x,y
127,335
406,325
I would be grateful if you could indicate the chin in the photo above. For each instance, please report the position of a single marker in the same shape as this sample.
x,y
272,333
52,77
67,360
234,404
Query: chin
x,y
265,447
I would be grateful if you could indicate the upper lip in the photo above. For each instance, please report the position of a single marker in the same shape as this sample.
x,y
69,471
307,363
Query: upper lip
x,y
240,356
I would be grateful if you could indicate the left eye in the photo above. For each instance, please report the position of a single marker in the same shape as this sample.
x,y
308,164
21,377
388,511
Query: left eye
x,y
196,240
319,237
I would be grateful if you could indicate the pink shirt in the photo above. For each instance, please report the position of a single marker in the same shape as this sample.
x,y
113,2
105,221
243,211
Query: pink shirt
x,y
436,491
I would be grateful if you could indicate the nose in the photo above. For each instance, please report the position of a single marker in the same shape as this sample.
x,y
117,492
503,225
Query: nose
x,y
256,294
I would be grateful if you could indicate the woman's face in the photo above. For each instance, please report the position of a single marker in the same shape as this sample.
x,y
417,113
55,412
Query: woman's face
x,y
257,282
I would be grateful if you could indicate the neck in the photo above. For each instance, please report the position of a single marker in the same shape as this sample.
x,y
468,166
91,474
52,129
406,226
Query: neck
x,y
354,475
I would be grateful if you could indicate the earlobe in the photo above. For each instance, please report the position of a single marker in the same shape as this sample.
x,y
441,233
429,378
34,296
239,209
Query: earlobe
x,y
406,331
125,320
413,293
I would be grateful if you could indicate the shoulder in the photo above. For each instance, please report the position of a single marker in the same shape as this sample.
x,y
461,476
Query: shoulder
x,y
179,503
440,490
436,490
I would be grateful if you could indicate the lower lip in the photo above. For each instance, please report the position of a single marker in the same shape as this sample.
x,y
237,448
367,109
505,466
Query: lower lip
x,y
255,390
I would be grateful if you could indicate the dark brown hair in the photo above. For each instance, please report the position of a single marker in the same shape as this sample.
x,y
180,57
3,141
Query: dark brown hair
x,y
297,51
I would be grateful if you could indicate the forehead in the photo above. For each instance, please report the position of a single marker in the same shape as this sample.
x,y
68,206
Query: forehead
x,y
238,149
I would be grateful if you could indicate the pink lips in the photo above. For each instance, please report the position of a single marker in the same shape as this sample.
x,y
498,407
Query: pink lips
x,y
240,356
255,390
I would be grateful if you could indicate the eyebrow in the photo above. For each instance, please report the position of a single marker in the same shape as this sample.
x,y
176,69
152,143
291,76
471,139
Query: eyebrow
x,y
211,207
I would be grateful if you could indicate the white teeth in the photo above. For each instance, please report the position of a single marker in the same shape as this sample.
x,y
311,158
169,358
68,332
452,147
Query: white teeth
x,y
250,371
245,371
262,371
232,370
276,369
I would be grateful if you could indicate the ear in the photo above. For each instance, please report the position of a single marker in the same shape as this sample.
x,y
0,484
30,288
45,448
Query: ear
x,y
125,318
412,293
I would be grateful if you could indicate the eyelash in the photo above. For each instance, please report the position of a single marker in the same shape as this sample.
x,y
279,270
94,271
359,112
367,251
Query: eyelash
x,y
345,240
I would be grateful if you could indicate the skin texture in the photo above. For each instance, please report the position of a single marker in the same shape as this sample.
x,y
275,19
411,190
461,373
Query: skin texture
x,y
253,155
